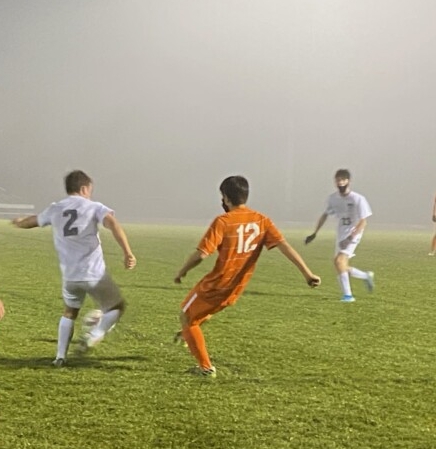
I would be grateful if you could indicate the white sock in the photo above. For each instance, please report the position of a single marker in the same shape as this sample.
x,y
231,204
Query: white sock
x,y
107,320
344,282
359,274
65,333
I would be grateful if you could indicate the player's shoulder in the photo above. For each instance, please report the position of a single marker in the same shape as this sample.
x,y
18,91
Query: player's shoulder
x,y
240,214
254,216
357,195
334,196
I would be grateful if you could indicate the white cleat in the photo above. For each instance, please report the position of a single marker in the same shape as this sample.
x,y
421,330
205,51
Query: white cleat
x,y
369,281
87,342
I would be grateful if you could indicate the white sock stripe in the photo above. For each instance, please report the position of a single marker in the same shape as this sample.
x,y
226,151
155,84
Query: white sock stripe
x,y
188,304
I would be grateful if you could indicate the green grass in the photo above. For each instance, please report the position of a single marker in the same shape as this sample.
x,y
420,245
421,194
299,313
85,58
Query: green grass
x,y
296,368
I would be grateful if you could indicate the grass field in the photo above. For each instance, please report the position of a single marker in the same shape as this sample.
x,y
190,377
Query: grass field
x,y
296,368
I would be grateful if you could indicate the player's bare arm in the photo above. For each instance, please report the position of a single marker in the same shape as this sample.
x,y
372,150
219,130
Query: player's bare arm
x,y
286,249
111,223
2,310
193,260
319,225
26,222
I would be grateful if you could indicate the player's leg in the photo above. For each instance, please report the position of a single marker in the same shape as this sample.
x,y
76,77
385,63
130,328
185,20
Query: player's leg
x,y
341,265
366,276
73,296
178,337
194,312
108,297
433,246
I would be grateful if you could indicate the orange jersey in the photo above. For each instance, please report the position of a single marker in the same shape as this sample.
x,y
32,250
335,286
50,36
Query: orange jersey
x,y
239,236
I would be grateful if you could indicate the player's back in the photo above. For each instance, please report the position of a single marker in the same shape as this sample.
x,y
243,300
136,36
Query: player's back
x,y
239,236
75,231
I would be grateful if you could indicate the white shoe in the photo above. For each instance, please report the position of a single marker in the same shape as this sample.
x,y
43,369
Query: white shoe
x,y
431,253
369,281
59,362
88,341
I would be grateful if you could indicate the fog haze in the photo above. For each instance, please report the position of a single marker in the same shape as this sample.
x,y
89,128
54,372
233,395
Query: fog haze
x,y
158,101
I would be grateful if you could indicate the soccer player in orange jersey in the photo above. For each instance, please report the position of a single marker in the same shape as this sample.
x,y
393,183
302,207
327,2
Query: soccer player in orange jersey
x,y
239,236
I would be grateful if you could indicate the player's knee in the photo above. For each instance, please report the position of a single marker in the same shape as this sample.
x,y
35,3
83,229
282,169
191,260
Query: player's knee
x,y
71,313
341,263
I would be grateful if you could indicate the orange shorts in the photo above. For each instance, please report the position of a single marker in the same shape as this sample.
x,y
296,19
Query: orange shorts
x,y
197,309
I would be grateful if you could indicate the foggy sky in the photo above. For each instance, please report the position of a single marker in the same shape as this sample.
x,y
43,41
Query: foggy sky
x,y
158,101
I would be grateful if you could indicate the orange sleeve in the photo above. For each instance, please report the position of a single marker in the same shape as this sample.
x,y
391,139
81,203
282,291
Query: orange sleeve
x,y
212,238
272,235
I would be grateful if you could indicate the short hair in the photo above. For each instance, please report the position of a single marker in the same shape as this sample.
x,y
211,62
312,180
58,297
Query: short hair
x,y
236,189
343,173
75,180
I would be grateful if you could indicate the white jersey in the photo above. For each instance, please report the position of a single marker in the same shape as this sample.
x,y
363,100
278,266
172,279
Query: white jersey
x,y
75,222
348,210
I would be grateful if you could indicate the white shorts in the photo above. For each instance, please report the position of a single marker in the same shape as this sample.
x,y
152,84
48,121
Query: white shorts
x,y
349,250
105,293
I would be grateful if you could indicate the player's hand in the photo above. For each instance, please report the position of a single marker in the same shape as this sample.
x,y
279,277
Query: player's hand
x,y
178,278
309,238
434,218
314,281
2,310
129,261
16,221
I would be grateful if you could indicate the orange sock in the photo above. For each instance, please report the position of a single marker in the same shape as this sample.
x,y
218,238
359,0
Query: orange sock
x,y
194,337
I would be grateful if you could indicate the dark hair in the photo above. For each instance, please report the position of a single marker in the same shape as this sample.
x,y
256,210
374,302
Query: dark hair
x,y
75,180
236,189
343,173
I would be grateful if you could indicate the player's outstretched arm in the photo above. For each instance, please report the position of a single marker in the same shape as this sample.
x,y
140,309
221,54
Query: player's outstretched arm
x,y
111,223
2,310
193,260
286,249
26,222
319,225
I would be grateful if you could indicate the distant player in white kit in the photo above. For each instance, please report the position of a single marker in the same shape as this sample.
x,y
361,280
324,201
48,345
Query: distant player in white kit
x,y
75,221
351,209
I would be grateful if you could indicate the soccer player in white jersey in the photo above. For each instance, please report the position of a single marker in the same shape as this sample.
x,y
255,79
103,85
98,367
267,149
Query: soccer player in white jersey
x,y
352,210
75,221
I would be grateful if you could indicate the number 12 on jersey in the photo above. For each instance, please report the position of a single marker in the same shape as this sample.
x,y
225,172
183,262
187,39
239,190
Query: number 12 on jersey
x,y
245,243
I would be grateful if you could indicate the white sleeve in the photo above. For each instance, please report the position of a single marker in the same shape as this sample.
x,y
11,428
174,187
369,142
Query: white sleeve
x,y
329,210
44,218
364,208
101,211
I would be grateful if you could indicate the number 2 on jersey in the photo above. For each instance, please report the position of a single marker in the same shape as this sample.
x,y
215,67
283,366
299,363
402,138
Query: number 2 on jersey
x,y
68,228
245,246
